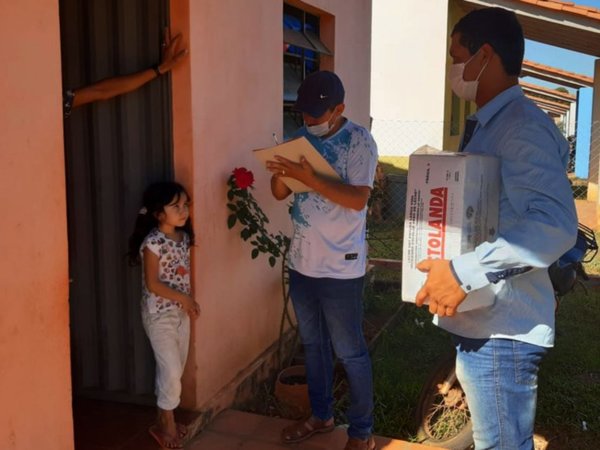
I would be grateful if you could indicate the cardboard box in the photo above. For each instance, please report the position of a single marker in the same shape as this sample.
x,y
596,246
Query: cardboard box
x,y
451,207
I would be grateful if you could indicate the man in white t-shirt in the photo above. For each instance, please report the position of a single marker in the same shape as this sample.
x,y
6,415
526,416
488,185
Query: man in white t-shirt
x,y
327,258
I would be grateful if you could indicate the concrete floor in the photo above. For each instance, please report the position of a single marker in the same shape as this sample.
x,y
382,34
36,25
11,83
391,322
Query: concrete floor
x,y
239,430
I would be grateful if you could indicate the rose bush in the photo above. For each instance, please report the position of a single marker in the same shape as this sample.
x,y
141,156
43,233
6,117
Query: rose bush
x,y
246,211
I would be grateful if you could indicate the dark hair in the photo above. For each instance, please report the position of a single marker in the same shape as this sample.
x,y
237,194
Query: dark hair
x,y
156,197
500,29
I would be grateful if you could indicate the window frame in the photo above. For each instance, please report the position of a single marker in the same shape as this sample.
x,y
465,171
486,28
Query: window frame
x,y
301,56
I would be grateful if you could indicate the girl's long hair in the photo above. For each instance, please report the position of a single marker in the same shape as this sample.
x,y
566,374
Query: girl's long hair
x,y
156,197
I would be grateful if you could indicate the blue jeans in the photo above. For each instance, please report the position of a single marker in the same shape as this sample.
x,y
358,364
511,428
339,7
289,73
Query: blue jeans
x,y
329,312
499,377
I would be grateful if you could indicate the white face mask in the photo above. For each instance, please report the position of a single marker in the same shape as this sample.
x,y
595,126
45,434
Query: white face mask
x,y
321,129
467,90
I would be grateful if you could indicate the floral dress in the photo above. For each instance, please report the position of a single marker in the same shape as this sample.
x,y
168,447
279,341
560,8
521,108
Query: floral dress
x,y
173,269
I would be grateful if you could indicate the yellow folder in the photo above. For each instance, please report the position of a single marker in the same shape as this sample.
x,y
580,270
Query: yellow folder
x,y
293,150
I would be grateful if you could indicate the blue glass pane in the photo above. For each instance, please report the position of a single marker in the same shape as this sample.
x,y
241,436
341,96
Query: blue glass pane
x,y
291,22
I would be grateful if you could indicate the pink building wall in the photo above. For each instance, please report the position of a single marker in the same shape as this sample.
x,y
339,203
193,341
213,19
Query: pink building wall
x,y
236,73
35,379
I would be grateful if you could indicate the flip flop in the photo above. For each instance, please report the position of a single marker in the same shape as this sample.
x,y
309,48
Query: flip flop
x,y
182,430
163,439
358,444
303,429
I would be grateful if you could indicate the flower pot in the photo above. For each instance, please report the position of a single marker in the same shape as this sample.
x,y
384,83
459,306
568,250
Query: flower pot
x,y
291,391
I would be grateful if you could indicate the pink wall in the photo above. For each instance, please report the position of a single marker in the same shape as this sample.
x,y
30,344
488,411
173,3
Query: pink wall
x,y
35,380
227,100
236,73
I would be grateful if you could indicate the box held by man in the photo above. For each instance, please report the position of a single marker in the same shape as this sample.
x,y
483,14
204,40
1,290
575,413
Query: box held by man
x,y
451,207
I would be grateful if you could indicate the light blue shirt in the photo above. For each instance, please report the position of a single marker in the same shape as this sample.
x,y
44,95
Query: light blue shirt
x,y
537,224
329,240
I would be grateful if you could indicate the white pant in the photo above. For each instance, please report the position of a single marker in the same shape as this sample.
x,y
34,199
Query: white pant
x,y
169,334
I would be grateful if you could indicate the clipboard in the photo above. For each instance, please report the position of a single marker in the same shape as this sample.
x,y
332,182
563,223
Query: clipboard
x,y
293,150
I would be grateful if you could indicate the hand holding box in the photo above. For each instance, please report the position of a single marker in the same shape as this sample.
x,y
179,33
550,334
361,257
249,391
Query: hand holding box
x,y
451,207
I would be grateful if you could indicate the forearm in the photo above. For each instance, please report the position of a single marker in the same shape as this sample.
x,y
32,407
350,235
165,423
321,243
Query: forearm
x,y
162,290
538,238
112,87
278,188
346,195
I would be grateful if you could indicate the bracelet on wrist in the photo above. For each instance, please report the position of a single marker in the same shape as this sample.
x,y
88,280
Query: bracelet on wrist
x,y
157,70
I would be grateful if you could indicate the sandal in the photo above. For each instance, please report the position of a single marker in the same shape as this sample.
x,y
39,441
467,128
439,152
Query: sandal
x,y
359,444
299,431
181,430
163,439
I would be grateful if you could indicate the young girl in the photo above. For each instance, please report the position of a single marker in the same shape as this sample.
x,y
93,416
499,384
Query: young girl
x,y
161,242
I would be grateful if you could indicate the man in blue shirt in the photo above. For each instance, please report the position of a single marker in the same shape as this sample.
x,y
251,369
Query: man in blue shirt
x,y
327,258
499,348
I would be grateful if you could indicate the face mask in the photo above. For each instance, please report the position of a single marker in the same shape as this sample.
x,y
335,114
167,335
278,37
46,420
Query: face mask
x,y
321,129
467,90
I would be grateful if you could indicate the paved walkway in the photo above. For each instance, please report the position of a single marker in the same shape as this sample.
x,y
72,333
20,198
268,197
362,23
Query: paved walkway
x,y
232,430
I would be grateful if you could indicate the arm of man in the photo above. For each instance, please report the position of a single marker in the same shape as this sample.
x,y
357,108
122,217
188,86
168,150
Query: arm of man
x,y
112,87
278,188
346,195
538,191
360,173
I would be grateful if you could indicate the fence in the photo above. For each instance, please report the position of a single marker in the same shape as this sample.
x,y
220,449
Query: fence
x,y
584,163
385,221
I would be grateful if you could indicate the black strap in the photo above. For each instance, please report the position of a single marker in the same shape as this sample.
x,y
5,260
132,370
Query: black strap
x,y
469,130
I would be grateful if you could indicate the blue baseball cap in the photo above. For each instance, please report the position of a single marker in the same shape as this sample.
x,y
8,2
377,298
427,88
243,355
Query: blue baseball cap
x,y
319,92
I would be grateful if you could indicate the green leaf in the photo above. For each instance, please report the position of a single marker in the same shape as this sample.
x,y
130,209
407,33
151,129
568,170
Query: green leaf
x,y
245,234
255,253
231,221
272,261
232,207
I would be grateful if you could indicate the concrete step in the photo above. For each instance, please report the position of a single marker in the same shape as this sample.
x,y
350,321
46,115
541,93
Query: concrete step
x,y
240,430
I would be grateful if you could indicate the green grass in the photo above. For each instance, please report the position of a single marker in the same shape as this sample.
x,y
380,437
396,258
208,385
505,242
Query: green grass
x,y
569,381
401,364
385,240
593,267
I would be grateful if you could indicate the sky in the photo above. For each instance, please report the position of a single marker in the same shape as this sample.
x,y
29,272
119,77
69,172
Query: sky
x,y
558,57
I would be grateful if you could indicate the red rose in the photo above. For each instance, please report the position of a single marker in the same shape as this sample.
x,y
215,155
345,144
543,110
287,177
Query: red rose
x,y
243,178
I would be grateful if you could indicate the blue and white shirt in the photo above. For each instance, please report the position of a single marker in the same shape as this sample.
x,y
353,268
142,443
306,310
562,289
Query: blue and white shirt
x,y
538,223
328,239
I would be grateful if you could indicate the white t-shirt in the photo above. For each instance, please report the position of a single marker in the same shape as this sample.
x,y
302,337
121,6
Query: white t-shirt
x,y
173,269
329,240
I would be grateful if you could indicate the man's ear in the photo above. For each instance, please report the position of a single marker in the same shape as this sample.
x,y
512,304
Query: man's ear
x,y
340,108
488,52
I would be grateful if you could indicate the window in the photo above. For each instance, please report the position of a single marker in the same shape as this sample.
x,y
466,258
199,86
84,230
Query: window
x,y
455,116
301,51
